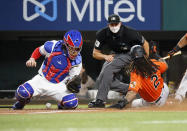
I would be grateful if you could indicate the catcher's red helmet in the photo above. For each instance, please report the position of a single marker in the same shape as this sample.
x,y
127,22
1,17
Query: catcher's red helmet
x,y
73,41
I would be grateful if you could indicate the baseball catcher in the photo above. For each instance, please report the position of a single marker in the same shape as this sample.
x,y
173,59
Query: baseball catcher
x,y
58,77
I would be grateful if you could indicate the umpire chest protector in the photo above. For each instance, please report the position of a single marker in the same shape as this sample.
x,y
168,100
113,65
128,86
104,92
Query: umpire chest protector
x,y
120,42
57,66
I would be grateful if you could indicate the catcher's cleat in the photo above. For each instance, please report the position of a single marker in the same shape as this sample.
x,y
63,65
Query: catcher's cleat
x,y
60,107
96,104
18,106
120,105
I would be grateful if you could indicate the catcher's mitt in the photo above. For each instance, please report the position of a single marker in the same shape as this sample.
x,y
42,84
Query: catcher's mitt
x,y
74,84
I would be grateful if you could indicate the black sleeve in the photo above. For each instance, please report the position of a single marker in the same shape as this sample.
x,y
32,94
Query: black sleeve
x,y
100,39
135,36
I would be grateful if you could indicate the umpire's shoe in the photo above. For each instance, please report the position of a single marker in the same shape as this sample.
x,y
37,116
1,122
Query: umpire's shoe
x,y
96,104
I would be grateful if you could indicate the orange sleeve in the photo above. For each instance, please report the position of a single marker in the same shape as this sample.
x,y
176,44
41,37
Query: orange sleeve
x,y
162,65
134,83
186,35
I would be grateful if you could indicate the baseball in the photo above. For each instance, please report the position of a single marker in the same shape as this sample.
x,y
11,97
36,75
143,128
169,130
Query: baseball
x,y
48,105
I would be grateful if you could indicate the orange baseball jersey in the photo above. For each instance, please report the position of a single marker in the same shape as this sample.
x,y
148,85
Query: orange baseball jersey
x,y
149,88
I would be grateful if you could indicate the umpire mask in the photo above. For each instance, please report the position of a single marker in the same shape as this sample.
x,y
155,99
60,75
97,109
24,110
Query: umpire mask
x,y
114,28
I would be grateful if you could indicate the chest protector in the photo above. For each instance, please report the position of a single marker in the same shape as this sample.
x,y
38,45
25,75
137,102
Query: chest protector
x,y
56,67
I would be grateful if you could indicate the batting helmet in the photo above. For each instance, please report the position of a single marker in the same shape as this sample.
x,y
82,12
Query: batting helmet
x,y
137,51
73,41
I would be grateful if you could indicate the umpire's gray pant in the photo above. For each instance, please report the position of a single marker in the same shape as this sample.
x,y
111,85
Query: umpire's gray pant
x,y
106,80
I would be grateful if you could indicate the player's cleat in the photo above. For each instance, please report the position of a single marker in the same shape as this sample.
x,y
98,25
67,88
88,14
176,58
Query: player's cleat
x,y
18,106
96,104
120,105
60,107
179,98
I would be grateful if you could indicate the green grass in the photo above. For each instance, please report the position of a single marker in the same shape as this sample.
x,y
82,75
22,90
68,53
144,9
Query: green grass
x,y
95,121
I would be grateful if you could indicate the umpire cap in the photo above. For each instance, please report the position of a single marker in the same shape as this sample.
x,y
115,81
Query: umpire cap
x,y
113,19
137,51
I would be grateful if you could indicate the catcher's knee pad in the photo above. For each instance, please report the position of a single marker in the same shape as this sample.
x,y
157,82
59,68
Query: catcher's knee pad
x,y
24,93
70,101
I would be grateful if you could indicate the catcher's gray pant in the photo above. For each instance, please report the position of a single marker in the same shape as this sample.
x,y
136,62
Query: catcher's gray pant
x,y
181,91
106,80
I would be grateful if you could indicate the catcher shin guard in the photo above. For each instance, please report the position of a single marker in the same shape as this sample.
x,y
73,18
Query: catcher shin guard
x,y
69,101
24,93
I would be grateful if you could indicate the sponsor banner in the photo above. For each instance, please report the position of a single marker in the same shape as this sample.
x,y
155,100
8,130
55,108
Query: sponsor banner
x,y
78,14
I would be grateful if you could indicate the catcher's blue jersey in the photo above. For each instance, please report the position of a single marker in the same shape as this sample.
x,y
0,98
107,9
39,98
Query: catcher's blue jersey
x,y
57,64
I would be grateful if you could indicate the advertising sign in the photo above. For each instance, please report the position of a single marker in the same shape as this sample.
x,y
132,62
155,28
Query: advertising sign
x,y
78,14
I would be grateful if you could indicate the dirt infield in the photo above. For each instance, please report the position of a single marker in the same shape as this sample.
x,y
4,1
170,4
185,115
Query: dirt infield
x,y
170,106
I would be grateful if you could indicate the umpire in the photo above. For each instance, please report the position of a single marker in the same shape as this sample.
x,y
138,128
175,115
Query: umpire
x,y
119,39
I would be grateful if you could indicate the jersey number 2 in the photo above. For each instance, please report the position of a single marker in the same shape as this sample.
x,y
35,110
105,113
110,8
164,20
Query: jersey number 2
x,y
154,78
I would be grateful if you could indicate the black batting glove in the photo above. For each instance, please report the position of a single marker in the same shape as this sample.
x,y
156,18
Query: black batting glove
x,y
120,105
175,49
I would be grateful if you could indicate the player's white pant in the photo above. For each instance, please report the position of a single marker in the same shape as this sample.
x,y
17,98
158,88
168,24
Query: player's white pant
x,y
163,97
181,91
43,87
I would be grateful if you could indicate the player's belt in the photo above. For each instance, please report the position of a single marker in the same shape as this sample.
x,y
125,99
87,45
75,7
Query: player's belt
x,y
158,99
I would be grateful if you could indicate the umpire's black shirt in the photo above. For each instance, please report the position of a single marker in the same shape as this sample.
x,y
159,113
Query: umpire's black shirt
x,y
120,42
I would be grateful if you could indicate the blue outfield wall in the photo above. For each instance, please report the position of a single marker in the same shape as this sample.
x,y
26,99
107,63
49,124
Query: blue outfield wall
x,y
85,15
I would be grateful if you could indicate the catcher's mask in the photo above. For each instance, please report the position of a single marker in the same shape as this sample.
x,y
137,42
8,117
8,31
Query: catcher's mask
x,y
73,42
137,51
